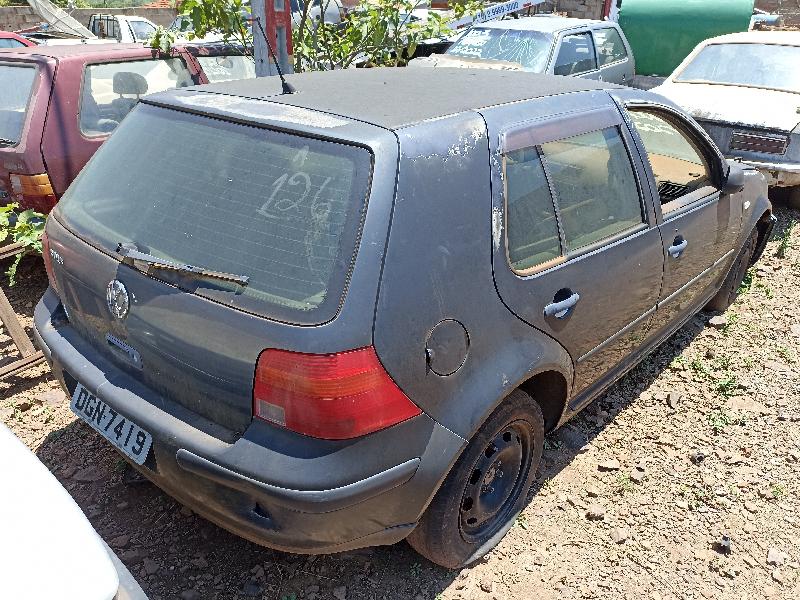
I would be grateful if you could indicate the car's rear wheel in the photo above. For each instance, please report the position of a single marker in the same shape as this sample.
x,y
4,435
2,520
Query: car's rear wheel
x,y
730,287
486,488
793,197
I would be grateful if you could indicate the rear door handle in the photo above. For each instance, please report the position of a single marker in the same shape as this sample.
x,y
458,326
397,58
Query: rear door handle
x,y
562,309
679,244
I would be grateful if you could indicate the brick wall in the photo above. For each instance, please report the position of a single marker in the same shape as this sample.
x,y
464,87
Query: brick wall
x,y
14,18
788,9
582,9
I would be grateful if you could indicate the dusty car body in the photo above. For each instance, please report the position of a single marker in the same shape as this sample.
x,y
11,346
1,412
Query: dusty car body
x,y
58,104
320,381
744,89
542,44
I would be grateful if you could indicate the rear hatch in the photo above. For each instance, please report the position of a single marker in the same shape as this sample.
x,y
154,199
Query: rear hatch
x,y
276,215
24,96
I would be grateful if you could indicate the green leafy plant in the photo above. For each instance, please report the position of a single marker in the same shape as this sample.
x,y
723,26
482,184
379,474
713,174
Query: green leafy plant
x,y
24,228
785,239
162,40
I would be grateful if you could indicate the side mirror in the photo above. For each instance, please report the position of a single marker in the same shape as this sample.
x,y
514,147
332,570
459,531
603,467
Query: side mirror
x,y
733,183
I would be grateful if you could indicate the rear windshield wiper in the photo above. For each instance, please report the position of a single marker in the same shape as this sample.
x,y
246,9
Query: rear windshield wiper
x,y
130,255
7,142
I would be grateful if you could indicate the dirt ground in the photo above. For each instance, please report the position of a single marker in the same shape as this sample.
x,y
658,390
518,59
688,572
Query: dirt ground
x,y
636,497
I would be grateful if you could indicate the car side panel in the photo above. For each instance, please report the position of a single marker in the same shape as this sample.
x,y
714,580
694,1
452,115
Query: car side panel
x,y
438,269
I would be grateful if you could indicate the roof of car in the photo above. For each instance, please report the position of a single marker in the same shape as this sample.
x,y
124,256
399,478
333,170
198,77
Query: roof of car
x,y
67,50
544,23
785,38
397,97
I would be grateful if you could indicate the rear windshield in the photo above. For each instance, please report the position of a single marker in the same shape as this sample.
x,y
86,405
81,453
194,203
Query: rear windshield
x,y
531,49
281,209
227,68
759,65
16,84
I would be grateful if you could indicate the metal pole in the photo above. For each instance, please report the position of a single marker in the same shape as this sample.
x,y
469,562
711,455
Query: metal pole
x,y
264,66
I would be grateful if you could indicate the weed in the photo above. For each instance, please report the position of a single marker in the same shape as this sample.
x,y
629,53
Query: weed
x,y
291,596
726,386
119,465
718,420
522,521
552,444
415,570
723,363
699,367
786,354
785,240
747,282
748,362
733,319
778,490
624,484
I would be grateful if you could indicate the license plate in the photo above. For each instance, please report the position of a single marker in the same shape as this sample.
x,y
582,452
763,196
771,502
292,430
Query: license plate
x,y
119,430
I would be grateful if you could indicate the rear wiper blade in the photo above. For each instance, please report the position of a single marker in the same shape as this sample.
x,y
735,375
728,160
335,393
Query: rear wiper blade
x,y
7,142
130,255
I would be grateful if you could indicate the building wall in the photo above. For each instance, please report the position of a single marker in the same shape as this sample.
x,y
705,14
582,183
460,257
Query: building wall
x,y
788,9
14,18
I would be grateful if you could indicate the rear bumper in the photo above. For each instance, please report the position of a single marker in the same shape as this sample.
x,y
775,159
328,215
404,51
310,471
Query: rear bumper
x,y
267,485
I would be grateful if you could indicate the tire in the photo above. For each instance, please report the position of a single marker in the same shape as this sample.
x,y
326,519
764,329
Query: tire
x,y
730,287
478,502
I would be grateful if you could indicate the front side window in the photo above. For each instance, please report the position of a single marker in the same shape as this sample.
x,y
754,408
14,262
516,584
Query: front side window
x,y
111,90
531,49
758,65
532,235
227,68
281,209
610,47
16,84
576,55
678,164
142,30
595,186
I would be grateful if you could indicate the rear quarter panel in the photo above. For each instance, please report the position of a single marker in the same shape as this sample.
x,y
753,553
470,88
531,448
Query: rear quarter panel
x,y
438,266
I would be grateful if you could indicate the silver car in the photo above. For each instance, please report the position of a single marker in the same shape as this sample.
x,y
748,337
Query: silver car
x,y
543,44
744,89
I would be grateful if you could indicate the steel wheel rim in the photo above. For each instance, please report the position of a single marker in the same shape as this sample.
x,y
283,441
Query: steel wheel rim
x,y
497,479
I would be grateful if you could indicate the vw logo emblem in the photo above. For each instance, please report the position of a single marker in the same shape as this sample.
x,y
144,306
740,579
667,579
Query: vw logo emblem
x,y
117,299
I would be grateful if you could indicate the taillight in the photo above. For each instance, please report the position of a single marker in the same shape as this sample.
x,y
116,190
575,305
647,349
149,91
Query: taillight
x,y
328,396
33,191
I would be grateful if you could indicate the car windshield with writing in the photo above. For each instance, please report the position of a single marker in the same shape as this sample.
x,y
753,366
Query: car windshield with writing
x,y
278,211
16,83
531,49
227,67
768,66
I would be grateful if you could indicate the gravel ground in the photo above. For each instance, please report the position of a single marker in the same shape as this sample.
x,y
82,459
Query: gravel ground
x,y
638,497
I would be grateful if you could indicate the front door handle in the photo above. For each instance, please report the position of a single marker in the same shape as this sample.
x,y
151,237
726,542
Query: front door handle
x,y
679,244
562,308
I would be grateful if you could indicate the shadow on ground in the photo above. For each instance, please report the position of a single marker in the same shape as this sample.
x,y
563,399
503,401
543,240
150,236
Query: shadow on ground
x,y
176,554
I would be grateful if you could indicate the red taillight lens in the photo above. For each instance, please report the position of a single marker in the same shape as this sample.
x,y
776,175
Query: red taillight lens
x,y
48,259
329,396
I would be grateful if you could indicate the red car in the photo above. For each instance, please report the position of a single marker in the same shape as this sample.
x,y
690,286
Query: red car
x,y
9,39
58,104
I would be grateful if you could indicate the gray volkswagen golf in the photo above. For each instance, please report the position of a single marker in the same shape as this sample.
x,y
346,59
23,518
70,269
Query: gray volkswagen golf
x,y
349,315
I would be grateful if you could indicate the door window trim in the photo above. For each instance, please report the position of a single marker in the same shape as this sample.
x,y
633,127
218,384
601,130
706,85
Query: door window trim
x,y
566,34
567,125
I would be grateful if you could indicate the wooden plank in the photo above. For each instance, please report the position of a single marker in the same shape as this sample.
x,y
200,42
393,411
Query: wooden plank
x,y
10,250
20,365
9,319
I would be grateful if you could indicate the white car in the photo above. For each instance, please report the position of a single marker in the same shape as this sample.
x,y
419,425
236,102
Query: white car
x,y
744,89
122,28
48,548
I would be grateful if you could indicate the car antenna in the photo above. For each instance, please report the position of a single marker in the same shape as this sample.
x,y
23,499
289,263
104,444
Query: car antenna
x,y
288,88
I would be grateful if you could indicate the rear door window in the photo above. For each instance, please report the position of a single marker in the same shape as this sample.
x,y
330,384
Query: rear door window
x,y
227,68
16,83
281,209
576,55
111,90
610,47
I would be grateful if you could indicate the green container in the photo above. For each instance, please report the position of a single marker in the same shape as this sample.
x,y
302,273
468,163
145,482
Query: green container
x,y
663,32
